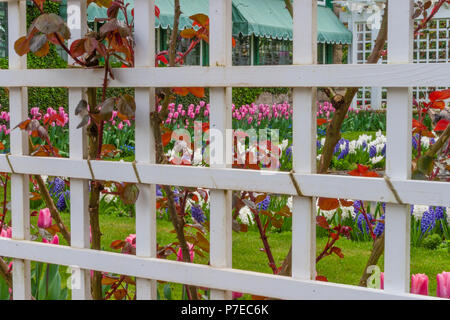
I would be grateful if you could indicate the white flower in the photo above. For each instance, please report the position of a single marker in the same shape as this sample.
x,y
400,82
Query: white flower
x,y
322,141
419,210
328,213
425,141
246,216
289,203
352,147
376,159
284,144
319,156
347,212
379,134
379,147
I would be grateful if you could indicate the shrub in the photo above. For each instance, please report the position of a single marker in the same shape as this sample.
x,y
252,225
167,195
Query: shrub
x,y
432,241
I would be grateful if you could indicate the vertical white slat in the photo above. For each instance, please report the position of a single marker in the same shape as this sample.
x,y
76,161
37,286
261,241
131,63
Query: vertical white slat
x,y
304,140
220,119
398,153
18,107
144,12
79,189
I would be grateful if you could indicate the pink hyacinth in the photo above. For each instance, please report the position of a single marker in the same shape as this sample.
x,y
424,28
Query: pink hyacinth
x,y
419,284
55,240
6,233
191,252
131,239
45,219
443,285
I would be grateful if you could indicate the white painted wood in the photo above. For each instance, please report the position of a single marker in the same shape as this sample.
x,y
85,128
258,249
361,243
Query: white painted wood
x,y
195,274
145,144
304,140
398,149
79,195
76,21
396,75
18,107
330,186
79,189
220,47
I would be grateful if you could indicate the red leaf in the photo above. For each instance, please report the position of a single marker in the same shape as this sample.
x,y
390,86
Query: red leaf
x,y
321,278
322,222
363,171
157,12
117,244
77,48
166,138
439,104
233,42
441,125
338,252
346,203
198,92
439,95
181,91
328,203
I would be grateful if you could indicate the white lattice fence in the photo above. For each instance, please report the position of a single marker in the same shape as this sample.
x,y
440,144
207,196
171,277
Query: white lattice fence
x,y
399,75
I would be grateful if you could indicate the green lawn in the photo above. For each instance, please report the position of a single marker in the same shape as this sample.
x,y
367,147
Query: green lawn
x,y
247,253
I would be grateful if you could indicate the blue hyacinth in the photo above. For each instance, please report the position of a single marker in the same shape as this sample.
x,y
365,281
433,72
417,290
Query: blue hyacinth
x,y
197,213
56,186
158,191
364,145
263,205
379,228
289,153
61,203
357,206
383,151
383,205
439,213
372,151
362,220
428,220
318,144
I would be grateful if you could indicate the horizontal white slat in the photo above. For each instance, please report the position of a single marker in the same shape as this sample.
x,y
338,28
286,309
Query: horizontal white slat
x,y
192,274
332,186
379,75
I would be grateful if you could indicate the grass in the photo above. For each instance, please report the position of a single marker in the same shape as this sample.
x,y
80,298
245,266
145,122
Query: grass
x,y
247,253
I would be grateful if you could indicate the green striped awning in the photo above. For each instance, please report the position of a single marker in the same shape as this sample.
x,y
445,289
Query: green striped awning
x,y
262,18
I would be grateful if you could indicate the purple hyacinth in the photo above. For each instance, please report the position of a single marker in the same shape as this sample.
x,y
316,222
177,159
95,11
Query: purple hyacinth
x,y
263,205
319,144
372,151
383,205
364,145
197,213
56,186
289,153
428,220
61,203
414,142
362,219
379,228
432,141
383,151
158,191
439,213
357,206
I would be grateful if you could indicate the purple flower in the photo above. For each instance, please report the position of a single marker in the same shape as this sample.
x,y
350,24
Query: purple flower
x,y
414,142
357,206
289,153
383,151
263,205
197,213
343,153
56,186
428,220
362,219
379,228
364,145
319,145
372,151
158,191
439,213
61,203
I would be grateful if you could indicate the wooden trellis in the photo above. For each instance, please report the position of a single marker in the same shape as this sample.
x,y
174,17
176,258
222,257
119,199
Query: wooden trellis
x,y
399,75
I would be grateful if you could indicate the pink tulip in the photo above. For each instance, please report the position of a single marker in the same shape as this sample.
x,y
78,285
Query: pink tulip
x,y
55,240
45,218
120,126
443,285
382,280
419,284
191,251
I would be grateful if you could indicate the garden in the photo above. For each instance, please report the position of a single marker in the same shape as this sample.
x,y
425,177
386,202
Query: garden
x,y
350,141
